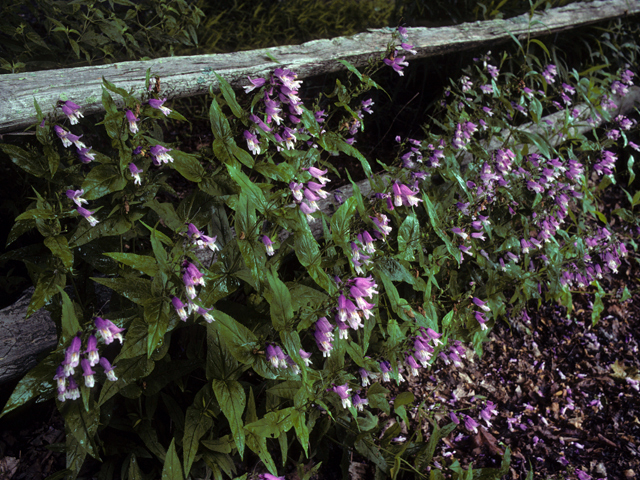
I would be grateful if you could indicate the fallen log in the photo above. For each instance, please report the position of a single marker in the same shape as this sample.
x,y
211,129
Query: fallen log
x,y
194,75
23,340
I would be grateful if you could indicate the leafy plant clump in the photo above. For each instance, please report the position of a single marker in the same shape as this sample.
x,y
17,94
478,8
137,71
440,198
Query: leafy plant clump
x,y
259,313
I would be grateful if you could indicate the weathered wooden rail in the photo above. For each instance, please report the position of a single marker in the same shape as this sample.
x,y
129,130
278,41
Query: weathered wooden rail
x,y
188,76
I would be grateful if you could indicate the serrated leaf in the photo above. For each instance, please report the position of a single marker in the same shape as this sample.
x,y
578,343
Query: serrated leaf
x,y
230,96
138,290
280,301
70,324
59,246
46,288
38,381
232,400
156,314
102,180
197,424
83,425
239,339
143,263
188,166
128,372
172,470
29,163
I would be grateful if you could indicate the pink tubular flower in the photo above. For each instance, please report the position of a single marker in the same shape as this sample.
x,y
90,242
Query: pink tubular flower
x,y
73,392
470,424
88,373
76,196
88,215
268,476
343,392
268,245
397,63
255,83
179,306
72,111
84,154
131,118
92,350
108,330
160,154
205,314
135,173
253,144
306,357
66,137
319,175
157,104
480,304
108,369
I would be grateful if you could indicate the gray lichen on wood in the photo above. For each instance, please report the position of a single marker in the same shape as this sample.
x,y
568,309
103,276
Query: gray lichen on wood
x,y
193,75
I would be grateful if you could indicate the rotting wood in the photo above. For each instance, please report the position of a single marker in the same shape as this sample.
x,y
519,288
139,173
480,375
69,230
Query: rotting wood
x,y
23,340
193,75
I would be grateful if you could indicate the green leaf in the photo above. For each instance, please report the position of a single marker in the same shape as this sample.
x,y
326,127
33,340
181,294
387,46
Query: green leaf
x,y
188,166
377,396
272,424
167,213
259,446
598,306
220,363
369,422
366,448
59,246
134,472
29,163
334,143
143,263
156,314
340,222
408,238
404,398
232,400
138,290
83,425
102,180
230,96
308,253
46,288
248,188
70,324
299,420
38,381
172,470
239,339
129,371
280,301
197,424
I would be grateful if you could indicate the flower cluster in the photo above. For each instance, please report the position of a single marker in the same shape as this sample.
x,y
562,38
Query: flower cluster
x,y
90,357
192,277
307,195
396,61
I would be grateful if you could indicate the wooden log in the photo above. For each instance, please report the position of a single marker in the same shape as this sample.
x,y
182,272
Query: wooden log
x,y
23,340
193,75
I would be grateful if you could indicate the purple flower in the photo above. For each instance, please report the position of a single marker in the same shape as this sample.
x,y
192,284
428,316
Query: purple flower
x,y
88,373
343,392
88,215
157,104
108,330
160,154
135,173
413,365
253,144
205,314
131,118
268,245
179,306
268,476
359,402
67,138
73,392
550,73
470,424
72,111
61,379
92,350
382,224
454,418
397,63
255,83
316,188
487,412
76,196
480,304
306,357
108,369
85,155
319,175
